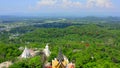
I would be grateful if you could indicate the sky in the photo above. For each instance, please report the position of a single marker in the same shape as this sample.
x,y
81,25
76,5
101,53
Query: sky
x,y
60,7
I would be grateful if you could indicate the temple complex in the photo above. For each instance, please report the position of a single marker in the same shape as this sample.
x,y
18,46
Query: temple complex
x,y
61,61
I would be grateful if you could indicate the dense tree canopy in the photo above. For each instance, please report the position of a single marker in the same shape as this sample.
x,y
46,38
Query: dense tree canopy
x,y
88,46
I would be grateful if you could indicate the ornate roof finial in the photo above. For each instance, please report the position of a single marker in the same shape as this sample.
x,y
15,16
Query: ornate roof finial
x,y
60,57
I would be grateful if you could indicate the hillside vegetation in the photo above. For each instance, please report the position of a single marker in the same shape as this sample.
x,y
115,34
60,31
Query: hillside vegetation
x,y
88,46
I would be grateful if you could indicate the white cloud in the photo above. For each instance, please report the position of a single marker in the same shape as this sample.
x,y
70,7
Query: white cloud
x,y
66,4
99,3
69,3
57,3
43,3
46,2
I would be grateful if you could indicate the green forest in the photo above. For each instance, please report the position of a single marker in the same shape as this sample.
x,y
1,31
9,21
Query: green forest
x,y
86,45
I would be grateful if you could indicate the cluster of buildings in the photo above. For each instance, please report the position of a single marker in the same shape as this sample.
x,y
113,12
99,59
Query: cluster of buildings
x,y
60,61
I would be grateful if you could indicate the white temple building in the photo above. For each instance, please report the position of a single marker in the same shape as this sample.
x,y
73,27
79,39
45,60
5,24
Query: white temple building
x,y
26,53
47,51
